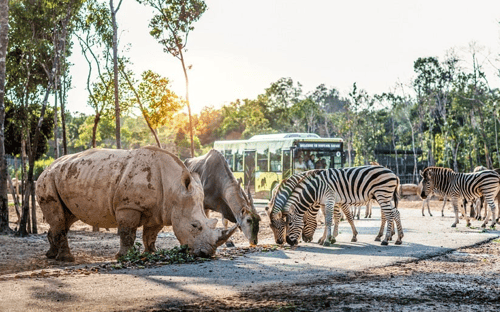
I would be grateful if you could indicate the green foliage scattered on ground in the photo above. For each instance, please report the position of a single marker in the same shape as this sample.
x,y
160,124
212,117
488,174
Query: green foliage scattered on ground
x,y
176,255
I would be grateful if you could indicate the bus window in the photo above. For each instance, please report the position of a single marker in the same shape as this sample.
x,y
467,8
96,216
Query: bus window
x,y
299,163
275,159
262,161
287,171
229,158
238,162
337,160
250,169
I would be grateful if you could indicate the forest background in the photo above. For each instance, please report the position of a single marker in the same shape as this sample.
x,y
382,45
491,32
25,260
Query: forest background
x,y
448,115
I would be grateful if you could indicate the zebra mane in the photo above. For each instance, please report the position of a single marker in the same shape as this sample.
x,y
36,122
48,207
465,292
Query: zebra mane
x,y
285,189
439,169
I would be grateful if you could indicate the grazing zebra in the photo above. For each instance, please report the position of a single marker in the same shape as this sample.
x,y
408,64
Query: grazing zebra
x,y
281,194
344,187
467,186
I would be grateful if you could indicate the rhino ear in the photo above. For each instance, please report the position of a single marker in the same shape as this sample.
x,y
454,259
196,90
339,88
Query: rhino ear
x,y
187,179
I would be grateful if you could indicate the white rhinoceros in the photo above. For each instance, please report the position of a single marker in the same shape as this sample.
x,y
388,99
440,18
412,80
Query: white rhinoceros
x,y
147,187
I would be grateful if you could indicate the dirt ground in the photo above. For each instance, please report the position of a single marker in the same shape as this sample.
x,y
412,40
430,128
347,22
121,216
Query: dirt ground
x,y
464,280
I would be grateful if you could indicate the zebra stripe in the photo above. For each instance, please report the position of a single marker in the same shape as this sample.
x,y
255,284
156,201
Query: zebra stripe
x,y
467,186
345,188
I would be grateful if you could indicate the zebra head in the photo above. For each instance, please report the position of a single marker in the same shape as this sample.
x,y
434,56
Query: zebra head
x,y
294,225
427,183
277,223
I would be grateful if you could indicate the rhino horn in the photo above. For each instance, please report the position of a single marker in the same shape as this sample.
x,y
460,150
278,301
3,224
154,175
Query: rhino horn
x,y
225,234
250,198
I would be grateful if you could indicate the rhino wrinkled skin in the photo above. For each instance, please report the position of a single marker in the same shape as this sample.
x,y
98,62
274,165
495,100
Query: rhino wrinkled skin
x,y
146,187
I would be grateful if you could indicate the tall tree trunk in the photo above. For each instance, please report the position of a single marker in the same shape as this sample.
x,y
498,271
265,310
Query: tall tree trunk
x,y
4,39
63,121
97,118
56,144
94,145
496,141
34,226
455,155
187,103
395,148
115,71
415,171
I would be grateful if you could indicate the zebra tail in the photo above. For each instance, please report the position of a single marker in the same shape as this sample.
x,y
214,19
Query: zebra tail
x,y
396,193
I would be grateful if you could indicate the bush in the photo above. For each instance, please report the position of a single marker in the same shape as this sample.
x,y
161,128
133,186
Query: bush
x,y
40,166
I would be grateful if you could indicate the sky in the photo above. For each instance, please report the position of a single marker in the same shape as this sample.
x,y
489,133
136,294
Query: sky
x,y
238,48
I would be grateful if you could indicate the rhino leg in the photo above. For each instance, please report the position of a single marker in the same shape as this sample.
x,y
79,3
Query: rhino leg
x,y
60,221
128,222
149,237
127,239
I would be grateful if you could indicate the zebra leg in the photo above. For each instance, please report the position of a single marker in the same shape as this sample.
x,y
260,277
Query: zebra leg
x,y
397,217
389,216
368,212
327,238
382,227
429,207
444,204
467,219
369,207
351,223
455,209
310,225
491,212
358,211
424,202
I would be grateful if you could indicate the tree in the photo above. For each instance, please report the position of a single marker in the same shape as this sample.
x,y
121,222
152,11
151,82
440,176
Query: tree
x,y
51,25
171,27
115,69
209,121
156,101
4,39
280,97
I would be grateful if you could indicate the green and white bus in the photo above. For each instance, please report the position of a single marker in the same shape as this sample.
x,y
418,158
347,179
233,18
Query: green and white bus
x,y
264,160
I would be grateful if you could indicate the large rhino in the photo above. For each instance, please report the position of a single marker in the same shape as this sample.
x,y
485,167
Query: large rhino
x,y
224,194
147,187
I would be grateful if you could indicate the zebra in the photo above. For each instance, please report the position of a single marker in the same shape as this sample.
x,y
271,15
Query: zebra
x,y
368,210
280,196
428,199
344,187
480,202
467,186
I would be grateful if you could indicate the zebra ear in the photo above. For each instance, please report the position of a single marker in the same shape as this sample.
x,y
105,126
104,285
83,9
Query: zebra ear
x,y
421,173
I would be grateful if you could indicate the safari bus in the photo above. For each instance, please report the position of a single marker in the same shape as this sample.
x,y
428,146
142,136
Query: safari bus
x,y
262,161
